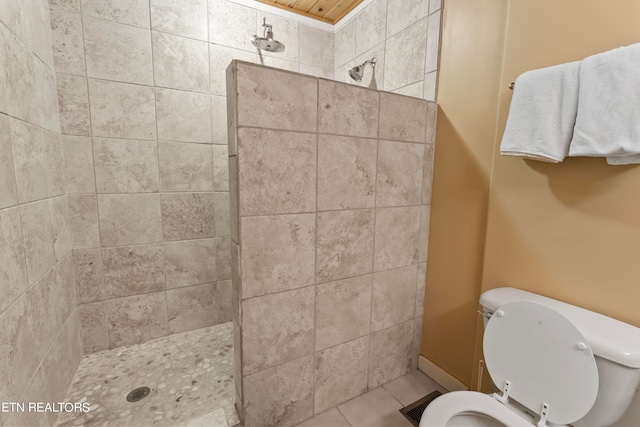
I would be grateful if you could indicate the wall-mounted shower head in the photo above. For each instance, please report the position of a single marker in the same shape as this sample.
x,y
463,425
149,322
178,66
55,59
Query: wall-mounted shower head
x,y
267,42
357,72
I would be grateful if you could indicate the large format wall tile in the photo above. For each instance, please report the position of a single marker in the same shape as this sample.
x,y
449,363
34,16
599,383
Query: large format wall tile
x,y
133,270
317,47
132,12
136,319
433,42
278,253
346,172
187,216
265,392
423,246
371,26
60,228
8,191
78,156
427,180
183,116
13,267
198,306
180,63
187,18
231,24
219,59
95,334
30,159
271,335
402,118
36,229
345,244
402,14
399,174
397,231
345,43
391,353
83,214
343,311
191,262
393,297
268,162
125,166
276,101
405,56
68,49
340,373
219,131
88,274
220,168
223,258
128,219
122,110
185,167
347,110
117,52
73,99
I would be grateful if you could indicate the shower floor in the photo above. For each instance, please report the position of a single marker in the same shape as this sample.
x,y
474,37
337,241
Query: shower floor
x,y
190,376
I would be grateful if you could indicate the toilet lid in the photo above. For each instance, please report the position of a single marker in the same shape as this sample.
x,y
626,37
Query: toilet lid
x,y
545,358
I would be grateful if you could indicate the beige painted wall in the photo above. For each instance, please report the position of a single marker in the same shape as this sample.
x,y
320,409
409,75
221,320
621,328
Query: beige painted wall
x,y
569,231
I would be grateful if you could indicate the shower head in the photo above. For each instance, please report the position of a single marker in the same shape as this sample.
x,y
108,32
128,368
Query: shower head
x,y
357,72
267,42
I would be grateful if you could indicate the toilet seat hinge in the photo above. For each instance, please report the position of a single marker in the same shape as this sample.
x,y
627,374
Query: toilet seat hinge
x,y
543,415
505,393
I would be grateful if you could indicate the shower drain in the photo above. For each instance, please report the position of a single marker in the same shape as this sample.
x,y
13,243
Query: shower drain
x,y
138,394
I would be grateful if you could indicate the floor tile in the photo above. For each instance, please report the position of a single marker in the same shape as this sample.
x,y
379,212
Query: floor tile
x,y
411,387
377,408
330,418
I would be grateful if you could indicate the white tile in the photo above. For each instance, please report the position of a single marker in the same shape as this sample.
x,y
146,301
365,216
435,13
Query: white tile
x,y
345,44
430,86
132,12
180,63
68,48
412,386
402,13
330,418
186,18
405,56
371,26
316,47
220,57
377,408
183,116
433,43
231,24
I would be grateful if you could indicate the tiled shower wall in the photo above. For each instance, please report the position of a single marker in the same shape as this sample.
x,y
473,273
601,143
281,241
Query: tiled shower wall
x,y
330,193
403,35
141,86
40,344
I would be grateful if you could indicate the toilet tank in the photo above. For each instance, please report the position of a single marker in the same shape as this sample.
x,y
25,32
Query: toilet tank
x,y
615,344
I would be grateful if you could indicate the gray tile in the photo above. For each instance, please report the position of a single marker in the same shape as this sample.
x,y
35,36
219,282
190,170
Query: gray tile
x,y
427,179
280,396
133,270
343,311
393,297
371,26
391,354
318,47
180,63
411,387
191,262
54,156
423,243
345,43
30,161
278,253
272,336
346,172
136,319
187,216
88,275
402,118
221,213
396,237
68,47
399,173
132,12
231,24
276,100
197,307
430,86
186,18
8,192
402,14
220,57
38,244
95,334
220,167
330,418
345,244
183,116
341,373
405,56
267,161
433,42
60,226
125,166
421,281
78,156
122,110
185,167
377,408
13,267
73,100
83,214
344,109
223,258
219,119
117,52
129,219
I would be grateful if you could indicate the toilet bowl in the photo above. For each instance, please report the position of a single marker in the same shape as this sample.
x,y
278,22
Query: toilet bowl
x,y
555,364
542,362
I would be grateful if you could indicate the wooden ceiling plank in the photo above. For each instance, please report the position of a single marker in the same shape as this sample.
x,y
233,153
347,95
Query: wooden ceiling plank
x,y
341,9
322,6
290,9
304,5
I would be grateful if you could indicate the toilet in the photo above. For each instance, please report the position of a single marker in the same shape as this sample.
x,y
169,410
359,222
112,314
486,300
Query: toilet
x,y
553,364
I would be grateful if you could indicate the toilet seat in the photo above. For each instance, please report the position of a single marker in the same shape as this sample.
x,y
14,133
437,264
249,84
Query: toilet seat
x,y
539,359
439,412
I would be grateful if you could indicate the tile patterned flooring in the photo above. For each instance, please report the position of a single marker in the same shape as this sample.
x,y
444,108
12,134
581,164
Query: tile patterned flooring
x,y
190,376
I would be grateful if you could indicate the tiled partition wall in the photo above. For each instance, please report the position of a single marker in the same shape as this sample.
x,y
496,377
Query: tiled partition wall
x,y
40,344
141,86
403,35
330,192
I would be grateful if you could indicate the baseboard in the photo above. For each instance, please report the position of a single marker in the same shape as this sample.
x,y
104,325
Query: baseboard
x,y
440,376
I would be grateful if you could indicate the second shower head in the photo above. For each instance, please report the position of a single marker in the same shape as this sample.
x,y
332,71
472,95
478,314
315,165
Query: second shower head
x,y
267,42
357,72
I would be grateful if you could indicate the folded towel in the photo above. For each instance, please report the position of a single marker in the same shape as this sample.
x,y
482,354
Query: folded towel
x,y
608,118
542,113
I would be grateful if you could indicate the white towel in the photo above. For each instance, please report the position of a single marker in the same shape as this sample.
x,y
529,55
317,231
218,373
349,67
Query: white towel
x,y
542,113
608,119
